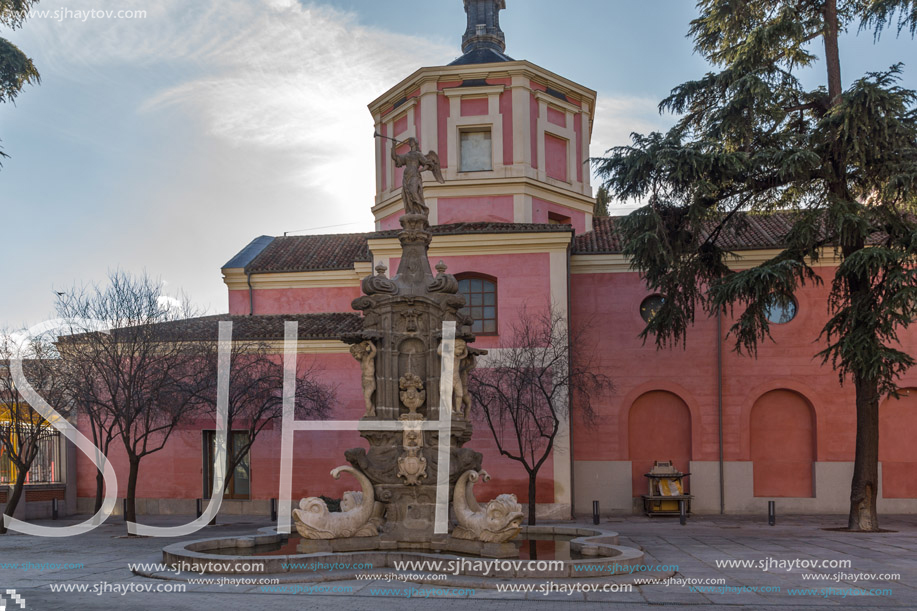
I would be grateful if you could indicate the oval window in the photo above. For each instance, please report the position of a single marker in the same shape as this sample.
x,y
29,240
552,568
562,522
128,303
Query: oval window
x,y
650,306
780,312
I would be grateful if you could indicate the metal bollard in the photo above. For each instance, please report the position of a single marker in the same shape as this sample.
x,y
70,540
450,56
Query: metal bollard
x,y
273,510
771,512
595,512
53,509
682,512
200,510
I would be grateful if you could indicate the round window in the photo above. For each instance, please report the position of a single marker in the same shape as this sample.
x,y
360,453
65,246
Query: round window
x,y
779,312
650,306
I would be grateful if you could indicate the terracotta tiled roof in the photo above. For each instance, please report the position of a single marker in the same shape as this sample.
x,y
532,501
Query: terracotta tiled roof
x,y
311,253
602,239
750,232
256,328
340,251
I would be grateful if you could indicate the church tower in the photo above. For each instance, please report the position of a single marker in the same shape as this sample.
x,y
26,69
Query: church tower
x,y
512,137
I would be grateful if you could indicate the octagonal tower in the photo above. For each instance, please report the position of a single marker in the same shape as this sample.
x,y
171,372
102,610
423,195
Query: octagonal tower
x,y
512,137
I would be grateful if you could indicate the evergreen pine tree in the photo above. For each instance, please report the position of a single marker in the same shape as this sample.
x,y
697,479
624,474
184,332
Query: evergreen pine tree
x,y
16,69
752,139
601,202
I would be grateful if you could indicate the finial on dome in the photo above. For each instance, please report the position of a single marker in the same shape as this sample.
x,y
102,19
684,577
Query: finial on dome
x,y
483,31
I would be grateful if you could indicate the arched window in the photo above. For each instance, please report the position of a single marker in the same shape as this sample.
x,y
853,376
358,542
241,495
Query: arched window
x,y
480,293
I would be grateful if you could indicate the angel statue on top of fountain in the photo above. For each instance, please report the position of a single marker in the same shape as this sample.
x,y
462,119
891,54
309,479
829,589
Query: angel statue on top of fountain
x,y
414,163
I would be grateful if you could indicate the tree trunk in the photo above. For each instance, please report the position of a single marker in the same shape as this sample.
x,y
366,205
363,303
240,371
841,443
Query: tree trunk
x,y
130,513
13,499
532,477
865,485
832,53
100,486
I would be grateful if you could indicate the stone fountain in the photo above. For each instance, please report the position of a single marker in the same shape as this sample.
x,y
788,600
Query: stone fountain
x,y
415,356
400,349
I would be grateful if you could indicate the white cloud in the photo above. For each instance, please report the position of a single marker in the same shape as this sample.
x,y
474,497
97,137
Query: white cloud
x,y
616,118
277,75
296,79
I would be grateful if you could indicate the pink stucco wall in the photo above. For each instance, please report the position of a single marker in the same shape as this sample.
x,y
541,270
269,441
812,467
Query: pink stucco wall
x,y
578,131
611,303
897,432
400,126
294,301
524,281
177,471
383,160
557,117
473,107
541,209
467,209
506,109
391,221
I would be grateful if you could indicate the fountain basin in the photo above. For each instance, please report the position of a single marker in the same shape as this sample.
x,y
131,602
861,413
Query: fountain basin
x,y
594,552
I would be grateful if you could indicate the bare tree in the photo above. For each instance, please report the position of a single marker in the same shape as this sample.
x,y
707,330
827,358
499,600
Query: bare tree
x,y
23,431
525,389
138,381
255,395
84,389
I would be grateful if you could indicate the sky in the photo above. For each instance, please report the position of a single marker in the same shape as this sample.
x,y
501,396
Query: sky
x,y
163,144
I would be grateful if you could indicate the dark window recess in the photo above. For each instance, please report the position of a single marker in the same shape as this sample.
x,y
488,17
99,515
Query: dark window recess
x,y
556,94
240,480
650,306
480,303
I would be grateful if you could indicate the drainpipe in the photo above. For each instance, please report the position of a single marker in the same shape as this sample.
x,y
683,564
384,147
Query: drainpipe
x,y
719,402
251,294
569,386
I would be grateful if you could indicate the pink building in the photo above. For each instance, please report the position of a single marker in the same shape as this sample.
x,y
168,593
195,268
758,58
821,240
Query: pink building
x,y
513,221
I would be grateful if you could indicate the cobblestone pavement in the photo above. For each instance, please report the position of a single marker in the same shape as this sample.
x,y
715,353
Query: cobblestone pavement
x,y
862,571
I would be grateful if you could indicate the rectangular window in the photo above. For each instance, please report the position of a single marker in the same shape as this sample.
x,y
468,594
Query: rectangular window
x,y
555,152
6,468
45,468
476,150
480,303
240,478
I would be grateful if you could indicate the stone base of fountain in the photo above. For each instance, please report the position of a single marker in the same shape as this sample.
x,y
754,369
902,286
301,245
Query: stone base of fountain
x,y
437,545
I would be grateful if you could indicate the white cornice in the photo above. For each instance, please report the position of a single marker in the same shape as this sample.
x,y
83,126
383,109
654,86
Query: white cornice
x,y
395,112
236,279
482,71
541,96
512,185
616,263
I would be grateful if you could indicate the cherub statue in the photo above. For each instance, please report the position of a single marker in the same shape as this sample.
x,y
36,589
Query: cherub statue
x,y
458,389
365,352
414,163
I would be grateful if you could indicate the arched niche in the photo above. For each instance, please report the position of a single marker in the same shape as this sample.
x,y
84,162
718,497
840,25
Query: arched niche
x,y
658,428
783,437
897,436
